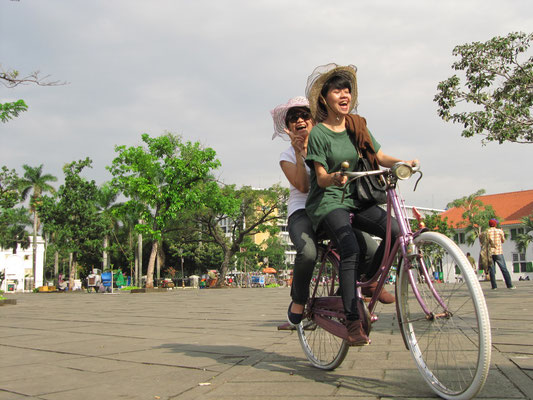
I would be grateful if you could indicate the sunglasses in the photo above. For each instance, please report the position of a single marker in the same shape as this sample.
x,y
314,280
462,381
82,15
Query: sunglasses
x,y
295,116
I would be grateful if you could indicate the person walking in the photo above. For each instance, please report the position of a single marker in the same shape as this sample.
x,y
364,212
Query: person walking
x,y
472,261
496,238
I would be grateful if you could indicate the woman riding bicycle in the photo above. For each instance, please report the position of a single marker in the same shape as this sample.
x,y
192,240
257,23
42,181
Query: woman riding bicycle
x,y
292,121
332,94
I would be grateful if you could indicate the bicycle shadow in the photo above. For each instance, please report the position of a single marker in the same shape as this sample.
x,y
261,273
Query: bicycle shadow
x,y
284,367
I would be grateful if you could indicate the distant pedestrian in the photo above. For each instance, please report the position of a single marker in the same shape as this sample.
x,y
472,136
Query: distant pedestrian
x,y
485,258
496,238
472,261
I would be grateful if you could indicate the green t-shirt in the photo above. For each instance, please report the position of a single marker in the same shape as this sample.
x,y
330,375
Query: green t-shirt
x,y
330,149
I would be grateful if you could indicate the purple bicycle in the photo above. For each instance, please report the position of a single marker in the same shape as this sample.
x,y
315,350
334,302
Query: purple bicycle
x,y
440,306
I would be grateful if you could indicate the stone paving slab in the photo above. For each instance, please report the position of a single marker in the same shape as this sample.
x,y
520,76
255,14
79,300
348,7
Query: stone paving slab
x,y
223,344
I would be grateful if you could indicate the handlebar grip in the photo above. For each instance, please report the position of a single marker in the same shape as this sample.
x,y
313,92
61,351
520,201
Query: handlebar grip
x,y
344,167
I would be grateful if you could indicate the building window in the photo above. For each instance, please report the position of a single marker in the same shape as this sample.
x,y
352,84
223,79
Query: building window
x,y
515,232
459,238
520,264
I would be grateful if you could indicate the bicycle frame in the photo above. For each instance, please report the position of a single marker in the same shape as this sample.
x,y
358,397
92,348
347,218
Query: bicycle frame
x,y
448,336
404,243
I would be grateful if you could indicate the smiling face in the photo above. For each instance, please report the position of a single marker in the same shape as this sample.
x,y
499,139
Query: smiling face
x,y
339,100
299,121
335,97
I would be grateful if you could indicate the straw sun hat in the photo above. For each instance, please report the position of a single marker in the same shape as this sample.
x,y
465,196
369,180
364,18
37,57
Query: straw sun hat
x,y
280,112
320,75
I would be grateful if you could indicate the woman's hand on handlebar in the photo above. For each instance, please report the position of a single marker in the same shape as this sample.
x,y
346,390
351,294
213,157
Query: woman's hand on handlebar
x,y
338,179
324,179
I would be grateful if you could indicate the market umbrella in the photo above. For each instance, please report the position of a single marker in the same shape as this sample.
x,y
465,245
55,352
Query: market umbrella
x,y
269,270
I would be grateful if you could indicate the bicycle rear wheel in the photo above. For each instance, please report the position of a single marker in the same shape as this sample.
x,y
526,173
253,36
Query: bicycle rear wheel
x,y
323,349
452,346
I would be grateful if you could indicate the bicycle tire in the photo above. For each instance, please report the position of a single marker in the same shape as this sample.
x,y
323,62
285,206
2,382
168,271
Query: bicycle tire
x,y
452,352
323,349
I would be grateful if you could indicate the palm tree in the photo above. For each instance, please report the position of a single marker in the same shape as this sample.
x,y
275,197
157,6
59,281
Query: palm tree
x,y
34,181
523,240
106,204
476,214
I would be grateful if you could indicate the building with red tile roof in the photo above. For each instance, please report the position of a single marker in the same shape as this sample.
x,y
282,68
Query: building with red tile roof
x,y
510,208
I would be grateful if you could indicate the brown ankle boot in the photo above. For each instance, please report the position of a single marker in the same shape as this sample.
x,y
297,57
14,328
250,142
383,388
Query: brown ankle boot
x,y
384,297
356,334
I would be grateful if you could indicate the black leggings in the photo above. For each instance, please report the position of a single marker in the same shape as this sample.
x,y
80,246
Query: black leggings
x,y
339,225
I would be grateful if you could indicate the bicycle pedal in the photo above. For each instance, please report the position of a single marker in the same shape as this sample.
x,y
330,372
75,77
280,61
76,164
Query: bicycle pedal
x,y
286,327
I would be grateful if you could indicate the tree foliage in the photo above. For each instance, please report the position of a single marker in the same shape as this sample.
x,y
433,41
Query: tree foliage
x,y
523,240
13,224
434,222
35,181
9,188
245,212
498,85
73,217
13,221
11,110
476,215
160,181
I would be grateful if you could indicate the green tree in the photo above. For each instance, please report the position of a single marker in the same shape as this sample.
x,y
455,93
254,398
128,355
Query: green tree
x,y
476,215
498,85
73,216
9,188
106,204
34,181
13,224
434,222
523,240
124,238
273,249
161,180
244,212
12,109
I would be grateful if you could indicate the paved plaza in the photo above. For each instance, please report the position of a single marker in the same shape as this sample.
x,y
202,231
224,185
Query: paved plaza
x,y
223,344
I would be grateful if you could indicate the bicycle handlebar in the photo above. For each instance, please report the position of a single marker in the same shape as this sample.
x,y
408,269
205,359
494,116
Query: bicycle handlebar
x,y
400,170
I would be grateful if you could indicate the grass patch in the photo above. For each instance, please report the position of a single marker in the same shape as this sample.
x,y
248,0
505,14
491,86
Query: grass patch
x,y
125,288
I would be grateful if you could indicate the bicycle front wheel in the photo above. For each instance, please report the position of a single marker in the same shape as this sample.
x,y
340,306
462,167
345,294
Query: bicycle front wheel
x,y
323,349
450,341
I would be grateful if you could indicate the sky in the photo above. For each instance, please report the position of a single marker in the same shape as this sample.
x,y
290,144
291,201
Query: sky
x,y
211,71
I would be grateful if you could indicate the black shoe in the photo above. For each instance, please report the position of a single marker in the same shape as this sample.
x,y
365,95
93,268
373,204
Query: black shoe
x,y
293,318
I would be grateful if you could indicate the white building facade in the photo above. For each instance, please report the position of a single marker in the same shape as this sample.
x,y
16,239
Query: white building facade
x,y
18,267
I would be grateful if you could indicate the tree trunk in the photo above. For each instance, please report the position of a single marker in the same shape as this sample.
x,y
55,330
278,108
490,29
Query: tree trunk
x,y
157,267
34,248
140,259
228,255
160,259
151,265
72,276
56,269
105,254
